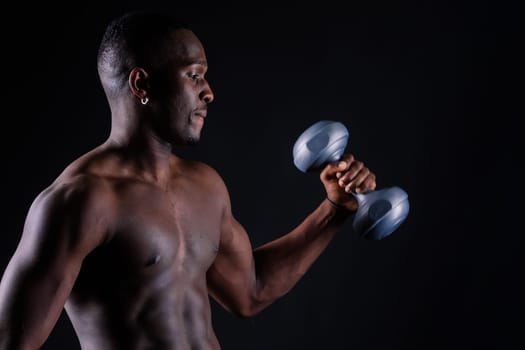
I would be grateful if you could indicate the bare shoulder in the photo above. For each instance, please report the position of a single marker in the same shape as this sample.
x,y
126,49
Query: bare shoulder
x,y
73,208
79,184
204,174
72,191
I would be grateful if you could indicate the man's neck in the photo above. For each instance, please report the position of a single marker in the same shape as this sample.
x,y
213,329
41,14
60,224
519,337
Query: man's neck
x,y
149,154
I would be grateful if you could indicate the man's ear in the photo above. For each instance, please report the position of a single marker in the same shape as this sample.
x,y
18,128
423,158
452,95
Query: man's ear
x,y
138,83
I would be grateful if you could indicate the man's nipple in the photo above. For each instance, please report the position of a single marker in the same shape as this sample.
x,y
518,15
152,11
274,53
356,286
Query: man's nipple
x,y
155,258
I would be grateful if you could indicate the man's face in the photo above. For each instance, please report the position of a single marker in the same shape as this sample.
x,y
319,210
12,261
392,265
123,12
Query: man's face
x,y
184,92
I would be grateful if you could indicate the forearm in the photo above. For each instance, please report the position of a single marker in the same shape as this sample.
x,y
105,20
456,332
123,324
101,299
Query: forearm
x,y
281,263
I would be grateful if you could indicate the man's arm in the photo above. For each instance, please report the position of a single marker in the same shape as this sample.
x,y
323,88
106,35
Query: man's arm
x,y
245,281
43,269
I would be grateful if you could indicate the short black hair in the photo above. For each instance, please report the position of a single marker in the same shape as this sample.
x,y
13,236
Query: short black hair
x,y
136,38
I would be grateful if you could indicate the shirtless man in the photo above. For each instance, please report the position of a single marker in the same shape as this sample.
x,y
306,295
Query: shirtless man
x,y
131,239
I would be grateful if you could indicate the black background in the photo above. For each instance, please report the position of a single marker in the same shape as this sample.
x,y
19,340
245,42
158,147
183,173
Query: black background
x,y
429,91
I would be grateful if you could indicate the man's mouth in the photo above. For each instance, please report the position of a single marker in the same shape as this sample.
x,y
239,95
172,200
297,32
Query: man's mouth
x,y
200,113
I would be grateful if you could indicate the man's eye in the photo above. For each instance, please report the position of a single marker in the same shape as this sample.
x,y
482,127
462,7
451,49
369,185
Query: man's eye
x,y
194,76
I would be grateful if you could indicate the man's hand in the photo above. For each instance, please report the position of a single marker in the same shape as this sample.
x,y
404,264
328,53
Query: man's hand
x,y
345,176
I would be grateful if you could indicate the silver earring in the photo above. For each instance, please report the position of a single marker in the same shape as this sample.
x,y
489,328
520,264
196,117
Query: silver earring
x,y
144,100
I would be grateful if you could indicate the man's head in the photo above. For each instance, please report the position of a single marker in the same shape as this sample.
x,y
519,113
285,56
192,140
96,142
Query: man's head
x,y
149,57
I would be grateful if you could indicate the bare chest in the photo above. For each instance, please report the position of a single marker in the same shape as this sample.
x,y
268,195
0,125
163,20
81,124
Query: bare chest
x,y
157,232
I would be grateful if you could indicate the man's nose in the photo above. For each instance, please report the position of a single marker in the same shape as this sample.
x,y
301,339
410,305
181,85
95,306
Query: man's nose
x,y
207,94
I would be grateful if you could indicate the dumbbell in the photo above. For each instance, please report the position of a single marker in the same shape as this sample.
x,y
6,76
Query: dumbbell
x,y
379,212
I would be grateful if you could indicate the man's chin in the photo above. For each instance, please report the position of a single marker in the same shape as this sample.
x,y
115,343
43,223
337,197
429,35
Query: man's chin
x,y
189,138
192,141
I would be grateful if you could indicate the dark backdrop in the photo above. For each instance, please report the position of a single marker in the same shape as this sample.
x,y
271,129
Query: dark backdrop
x,y
426,90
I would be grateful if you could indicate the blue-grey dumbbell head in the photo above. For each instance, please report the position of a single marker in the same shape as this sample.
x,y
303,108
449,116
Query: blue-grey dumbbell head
x,y
380,212
321,143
